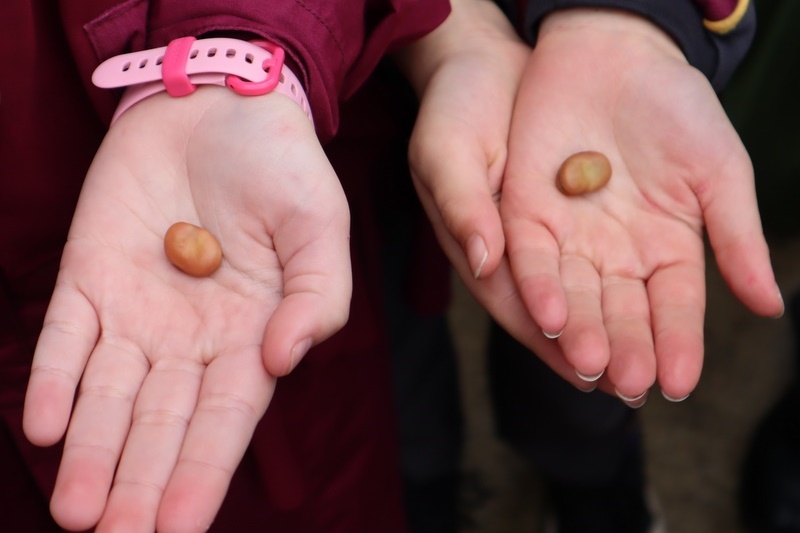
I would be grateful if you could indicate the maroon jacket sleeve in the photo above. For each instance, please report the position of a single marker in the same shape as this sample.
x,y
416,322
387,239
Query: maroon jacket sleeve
x,y
332,44
713,34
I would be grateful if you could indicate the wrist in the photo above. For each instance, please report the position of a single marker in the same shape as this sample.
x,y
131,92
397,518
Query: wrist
x,y
473,28
622,30
421,58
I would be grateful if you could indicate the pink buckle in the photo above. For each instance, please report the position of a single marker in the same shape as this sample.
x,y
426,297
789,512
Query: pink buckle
x,y
248,69
272,66
173,69
177,82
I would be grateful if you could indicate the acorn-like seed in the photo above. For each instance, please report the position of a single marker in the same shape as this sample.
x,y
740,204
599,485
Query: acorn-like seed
x,y
583,173
192,249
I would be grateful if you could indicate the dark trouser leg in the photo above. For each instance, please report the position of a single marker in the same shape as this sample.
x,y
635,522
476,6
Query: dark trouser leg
x,y
587,446
770,490
425,381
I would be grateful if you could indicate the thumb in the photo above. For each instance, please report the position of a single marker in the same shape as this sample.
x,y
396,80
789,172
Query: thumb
x,y
316,303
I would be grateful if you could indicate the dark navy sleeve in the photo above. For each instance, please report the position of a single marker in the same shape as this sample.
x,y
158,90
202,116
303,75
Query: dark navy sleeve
x,y
714,35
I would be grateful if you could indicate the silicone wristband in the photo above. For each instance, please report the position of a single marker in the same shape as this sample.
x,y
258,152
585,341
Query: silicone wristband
x,y
247,68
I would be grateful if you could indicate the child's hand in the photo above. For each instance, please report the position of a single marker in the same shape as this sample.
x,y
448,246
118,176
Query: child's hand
x,y
627,262
176,371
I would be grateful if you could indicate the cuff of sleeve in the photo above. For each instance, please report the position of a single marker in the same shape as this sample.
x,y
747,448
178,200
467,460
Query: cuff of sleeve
x,y
319,78
715,55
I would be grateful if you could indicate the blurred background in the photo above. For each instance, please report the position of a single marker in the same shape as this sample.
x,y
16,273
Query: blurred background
x,y
695,449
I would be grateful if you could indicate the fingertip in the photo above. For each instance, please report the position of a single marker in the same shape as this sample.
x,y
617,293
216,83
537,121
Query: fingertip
x,y
477,254
587,351
743,258
298,323
779,304
679,374
277,357
46,414
762,298
40,433
676,392
590,378
536,274
674,399
279,366
298,351
677,384
631,379
180,511
552,336
634,401
183,516
75,505
546,303
484,248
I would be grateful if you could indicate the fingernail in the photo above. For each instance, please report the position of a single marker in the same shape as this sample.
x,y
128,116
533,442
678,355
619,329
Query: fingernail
x,y
476,254
552,335
783,306
671,399
298,351
633,402
590,379
588,389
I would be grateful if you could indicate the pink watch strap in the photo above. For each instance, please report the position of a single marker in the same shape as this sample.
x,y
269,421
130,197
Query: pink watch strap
x,y
247,68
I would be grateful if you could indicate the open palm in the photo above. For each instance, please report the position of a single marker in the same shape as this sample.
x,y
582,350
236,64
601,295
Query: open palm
x,y
621,270
176,371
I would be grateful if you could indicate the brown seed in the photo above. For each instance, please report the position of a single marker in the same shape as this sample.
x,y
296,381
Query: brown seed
x,y
192,249
583,173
